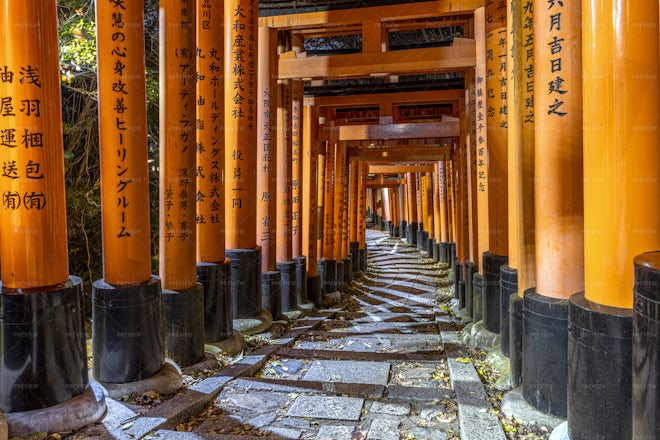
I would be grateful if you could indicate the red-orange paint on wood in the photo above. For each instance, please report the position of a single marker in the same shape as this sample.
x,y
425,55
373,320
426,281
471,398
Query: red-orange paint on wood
x,y
320,196
310,218
283,165
621,154
558,161
483,234
210,133
328,203
178,270
339,189
33,216
241,149
296,168
266,141
123,143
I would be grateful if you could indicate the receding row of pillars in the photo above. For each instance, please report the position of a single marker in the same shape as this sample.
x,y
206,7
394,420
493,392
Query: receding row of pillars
x,y
257,214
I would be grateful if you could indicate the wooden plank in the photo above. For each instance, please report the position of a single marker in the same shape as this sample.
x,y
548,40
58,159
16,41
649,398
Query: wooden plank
x,y
409,155
422,96
399,169
346,17
392,131
458,56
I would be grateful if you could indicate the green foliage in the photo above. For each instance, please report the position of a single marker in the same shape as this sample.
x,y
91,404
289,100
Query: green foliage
x,y
77,37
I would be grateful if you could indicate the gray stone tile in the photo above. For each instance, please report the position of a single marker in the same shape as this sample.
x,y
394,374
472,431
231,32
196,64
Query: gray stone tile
x,y
427,434
258,401
285,432
322,407
329,432
262,420
396,409
349,372
384,429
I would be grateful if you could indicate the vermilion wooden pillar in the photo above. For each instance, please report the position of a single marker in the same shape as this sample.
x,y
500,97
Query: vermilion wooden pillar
x,y
183,298
558,204
424,202
241,156
519,274
320,194
481,104
354,220
310,217
621,219
339,190
213,269
330,263
42,327
496,121
362,215
413,225
267,170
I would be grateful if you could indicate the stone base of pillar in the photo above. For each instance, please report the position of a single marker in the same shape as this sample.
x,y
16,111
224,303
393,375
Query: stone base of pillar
x,y
166,381
288,287
435,253
646,346
425,241
491,303
355,255
515,339
245,282
387,226
411,235
328,271
451,254
127,331
461,295
458,277
403,229
508,287
44,360
75,413
314,291
477,297
184,324
363,260
301,280
420,240
443,252
600,347
341,287
396,232
258,323
429,246
545,345
271,293
470,269
348,272
233,345
379,222
218,315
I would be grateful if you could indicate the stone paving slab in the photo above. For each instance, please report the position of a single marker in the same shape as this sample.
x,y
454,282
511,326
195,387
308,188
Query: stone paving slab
x,y
333,408
357,355
332,432
384,429
348,371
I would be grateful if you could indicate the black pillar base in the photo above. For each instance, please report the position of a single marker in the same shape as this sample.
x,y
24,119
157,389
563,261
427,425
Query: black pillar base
x,y
44,361
508,287
470,269
379,222
515,339
545,345
599,371
477,297
314,292
245,281
436,251
387,226
491,303
288,293
646,346
458,277
363,260
355,255
218,315
329,275
452,254
420,240
271,293
425,241
184,324
396,232
340,275
461,294
429,246
301,280
403,229
443,252
348,272
127,331
411,235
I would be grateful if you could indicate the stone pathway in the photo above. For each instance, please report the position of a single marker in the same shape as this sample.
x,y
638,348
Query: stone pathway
x,y
382,367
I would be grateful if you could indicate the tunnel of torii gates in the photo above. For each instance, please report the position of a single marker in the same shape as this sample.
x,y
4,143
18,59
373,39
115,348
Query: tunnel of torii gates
x,y
538,181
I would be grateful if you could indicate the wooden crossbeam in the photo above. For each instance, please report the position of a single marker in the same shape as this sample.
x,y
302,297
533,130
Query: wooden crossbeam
x,y
347,17
421,96
410,155
413,130
400,169
385,183
460,55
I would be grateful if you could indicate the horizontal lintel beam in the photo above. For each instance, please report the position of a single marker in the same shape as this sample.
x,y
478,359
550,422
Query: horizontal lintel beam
x,y
393,131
